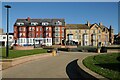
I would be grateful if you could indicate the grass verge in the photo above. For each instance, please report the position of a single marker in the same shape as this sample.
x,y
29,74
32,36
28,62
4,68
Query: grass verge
x,y
20,53
106,65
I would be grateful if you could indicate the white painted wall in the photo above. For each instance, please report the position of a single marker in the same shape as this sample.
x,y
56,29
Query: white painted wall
x,y
3,38
44,41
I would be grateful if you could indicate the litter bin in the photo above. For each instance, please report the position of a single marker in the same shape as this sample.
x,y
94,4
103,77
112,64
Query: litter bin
x,y
103,49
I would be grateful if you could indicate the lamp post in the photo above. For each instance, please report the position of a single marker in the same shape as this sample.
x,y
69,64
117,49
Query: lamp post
x,y
7,47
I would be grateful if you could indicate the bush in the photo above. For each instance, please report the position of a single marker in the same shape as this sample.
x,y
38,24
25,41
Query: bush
x,y
87,48
63,49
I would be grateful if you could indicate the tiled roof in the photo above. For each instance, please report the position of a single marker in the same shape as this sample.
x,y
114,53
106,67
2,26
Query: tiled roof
x,y
83,26
39,21
77,26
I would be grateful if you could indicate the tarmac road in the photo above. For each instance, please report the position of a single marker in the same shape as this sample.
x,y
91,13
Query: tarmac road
x,y
49,67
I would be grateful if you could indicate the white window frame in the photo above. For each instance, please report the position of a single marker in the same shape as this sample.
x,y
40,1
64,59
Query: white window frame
x,y
58,23
45,23
20,23
34,23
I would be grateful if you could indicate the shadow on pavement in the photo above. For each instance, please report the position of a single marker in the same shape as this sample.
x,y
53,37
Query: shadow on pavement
x,y
74,72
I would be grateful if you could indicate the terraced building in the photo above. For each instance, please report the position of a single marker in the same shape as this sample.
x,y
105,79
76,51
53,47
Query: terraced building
x,y
90,34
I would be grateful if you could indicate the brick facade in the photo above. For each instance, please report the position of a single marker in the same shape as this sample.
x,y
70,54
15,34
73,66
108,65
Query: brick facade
x,y
39,31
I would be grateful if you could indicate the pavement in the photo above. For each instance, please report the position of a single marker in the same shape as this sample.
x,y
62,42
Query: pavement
x,y
47,67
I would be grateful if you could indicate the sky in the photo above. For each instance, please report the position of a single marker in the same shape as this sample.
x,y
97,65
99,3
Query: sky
x,y
72,12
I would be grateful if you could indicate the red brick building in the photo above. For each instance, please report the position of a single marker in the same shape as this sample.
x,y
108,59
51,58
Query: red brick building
x,y
39,31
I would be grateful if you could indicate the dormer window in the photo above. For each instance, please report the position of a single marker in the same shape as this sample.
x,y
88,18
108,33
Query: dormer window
x,y
58,23
45,23
20,23
34,23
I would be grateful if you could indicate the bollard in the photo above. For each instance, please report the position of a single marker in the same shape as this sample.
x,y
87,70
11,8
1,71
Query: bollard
x,y
98,50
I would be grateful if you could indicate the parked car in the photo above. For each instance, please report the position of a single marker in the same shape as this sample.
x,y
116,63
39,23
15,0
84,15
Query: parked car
x,y
50,50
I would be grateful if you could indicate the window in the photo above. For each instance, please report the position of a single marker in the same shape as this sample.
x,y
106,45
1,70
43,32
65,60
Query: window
x,y
20,23
79,36
30,40
57,34
40,28
106,38
94,43
47,28
94,37
24,40
4,37
77,31
56,39
63,29
85,31
20,28
93,31
21,40
36,34
106,30
62,34
10,37
47,34
31,35
45,23
57,28
20,34
99,31
23,34
99,37
34,23
85,37
31,28
49,40
75,36
58,23
40,35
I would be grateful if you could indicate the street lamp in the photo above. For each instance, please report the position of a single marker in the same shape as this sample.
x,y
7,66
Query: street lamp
x,y
7,47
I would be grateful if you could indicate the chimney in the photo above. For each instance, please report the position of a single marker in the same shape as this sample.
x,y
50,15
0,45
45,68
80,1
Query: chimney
x,y
28,19
110,27
88,24
100,23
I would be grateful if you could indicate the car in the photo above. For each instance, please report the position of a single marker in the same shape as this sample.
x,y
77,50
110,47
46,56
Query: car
x,y
49,50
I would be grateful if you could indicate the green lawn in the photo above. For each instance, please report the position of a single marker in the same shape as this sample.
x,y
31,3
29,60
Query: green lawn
x,y
19,53
107,65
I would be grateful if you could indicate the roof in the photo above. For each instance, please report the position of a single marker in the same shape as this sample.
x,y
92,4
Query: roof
x,y
51,22
77,26
84,26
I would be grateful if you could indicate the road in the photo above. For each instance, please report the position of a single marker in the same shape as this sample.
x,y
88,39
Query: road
x,y
49,67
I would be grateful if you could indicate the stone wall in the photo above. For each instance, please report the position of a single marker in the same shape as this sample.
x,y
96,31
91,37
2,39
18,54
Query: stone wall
x,y
23,47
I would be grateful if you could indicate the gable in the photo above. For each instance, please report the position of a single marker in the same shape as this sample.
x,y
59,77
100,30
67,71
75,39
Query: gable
x,y
94,26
